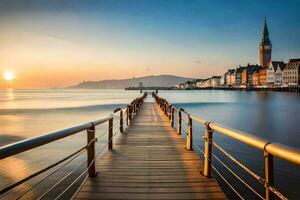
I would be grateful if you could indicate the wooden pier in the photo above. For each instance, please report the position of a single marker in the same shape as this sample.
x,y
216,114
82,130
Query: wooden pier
x,y
149,161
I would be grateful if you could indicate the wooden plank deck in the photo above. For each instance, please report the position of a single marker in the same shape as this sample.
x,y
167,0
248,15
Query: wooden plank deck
x,y
149,161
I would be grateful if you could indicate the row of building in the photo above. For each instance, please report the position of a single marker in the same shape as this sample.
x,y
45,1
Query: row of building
x,y
278,74
267,74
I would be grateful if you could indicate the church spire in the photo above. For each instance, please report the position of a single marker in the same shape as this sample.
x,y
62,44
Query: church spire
x,y
265,39
265,47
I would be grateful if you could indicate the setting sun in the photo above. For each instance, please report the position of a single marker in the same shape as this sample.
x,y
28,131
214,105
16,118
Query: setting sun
x,y
9,75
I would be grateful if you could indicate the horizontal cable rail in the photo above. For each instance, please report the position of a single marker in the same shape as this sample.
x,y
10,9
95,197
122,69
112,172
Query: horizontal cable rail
x,y
269,149
19,147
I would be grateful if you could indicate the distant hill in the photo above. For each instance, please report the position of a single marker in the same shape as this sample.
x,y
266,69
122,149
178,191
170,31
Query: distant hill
x,y
147,81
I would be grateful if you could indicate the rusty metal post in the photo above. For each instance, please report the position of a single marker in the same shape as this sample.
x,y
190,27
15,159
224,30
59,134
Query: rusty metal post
x,y
91,152
208,151
110,133
269,175
121,121
172,116
179,122
189,138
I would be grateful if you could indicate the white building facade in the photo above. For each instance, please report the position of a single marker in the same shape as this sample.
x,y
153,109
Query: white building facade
x,y
291,72
279,77
215,81
275,73
271,74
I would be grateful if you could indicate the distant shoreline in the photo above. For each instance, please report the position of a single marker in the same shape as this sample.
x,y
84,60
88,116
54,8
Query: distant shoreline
x,y
271,89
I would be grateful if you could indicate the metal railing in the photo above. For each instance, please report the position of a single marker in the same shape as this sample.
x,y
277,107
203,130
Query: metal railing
x,y
269,149
32,143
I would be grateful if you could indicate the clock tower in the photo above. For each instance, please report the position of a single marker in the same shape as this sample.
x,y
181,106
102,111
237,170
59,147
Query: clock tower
x,y
265,47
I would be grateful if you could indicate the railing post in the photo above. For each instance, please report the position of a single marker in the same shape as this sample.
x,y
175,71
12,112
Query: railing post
x,y
189,138
130,113
135,107
208,150
121,121
170,111
132,109
127,115
110,133
91,152
269,175
172,116
179,122
166,108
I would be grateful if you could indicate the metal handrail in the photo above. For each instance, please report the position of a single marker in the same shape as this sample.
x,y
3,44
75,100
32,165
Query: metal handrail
x,y
285,152
269,148
28,144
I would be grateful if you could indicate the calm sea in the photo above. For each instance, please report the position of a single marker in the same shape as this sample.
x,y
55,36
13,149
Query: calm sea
x,y
29,113
270,115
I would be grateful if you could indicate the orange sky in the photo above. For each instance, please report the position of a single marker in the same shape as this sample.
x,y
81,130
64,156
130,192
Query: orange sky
x,y
42,61
61,43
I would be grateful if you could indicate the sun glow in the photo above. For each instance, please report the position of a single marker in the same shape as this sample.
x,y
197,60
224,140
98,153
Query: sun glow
x,y
8,75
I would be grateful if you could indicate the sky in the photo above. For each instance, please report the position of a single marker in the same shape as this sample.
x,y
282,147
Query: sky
x,y
48,43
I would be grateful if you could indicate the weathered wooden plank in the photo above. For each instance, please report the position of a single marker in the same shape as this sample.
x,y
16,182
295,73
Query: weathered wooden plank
x,y
149,161
151,185
199,189
91,195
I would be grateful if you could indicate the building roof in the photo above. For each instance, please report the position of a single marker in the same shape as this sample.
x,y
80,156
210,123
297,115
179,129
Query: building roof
x,y
277,64
230,71
252,68
294,60
240,69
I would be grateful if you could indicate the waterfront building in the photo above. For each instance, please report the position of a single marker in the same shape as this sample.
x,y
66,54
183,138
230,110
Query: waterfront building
x,y
262,76
279,67
265,47
255,78
271,73
275,70
291,76
207,83
232,77
222,80
181,86
250,69
229,74
190,85
238,75
228,78
247,74
200,83
244,77
215,81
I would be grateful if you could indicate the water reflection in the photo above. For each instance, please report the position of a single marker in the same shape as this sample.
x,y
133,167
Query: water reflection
x,y
270,115
14,169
